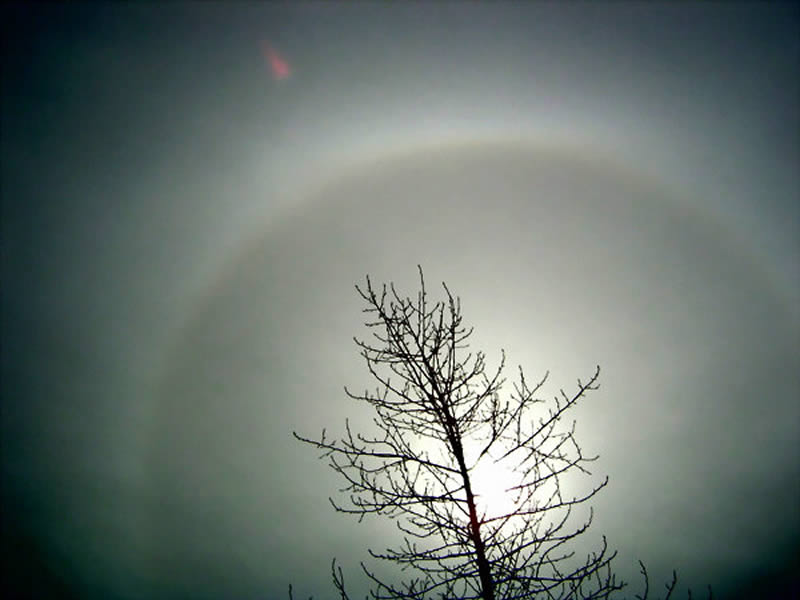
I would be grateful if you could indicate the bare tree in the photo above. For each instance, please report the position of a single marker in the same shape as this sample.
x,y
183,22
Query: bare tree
x,y
439,415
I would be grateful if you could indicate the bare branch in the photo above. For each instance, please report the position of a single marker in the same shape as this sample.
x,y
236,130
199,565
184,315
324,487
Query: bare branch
x,y
438,415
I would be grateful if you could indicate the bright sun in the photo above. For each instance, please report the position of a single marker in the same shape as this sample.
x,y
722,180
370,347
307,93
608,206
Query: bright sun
x,y
490,482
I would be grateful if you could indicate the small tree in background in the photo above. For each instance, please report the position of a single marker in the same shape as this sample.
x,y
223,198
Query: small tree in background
x,y
441,417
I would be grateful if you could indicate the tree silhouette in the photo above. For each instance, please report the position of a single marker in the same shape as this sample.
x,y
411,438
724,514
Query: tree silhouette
x,y
440,416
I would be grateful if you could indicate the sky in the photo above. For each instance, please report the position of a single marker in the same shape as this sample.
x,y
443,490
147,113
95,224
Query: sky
x,y
190,192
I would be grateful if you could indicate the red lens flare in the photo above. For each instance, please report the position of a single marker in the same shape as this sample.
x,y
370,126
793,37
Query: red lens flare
x,y
278,66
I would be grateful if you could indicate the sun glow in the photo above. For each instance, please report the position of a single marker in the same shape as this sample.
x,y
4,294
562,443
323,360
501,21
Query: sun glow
x,y
491,482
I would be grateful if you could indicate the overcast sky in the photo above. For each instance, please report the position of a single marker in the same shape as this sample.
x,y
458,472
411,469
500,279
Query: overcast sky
x,y
610,184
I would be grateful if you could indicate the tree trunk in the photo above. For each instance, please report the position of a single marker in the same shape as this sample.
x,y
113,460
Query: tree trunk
x,y
485,574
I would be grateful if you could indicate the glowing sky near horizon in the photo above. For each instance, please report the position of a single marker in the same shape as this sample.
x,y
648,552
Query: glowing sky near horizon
x,y
191,190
